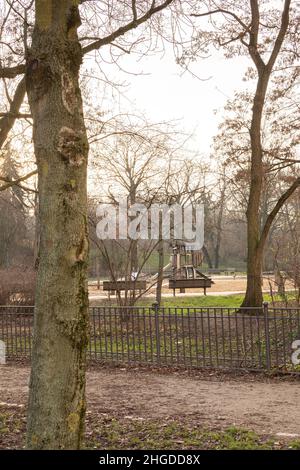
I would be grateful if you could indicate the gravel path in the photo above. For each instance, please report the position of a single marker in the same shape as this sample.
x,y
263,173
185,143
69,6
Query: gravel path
x,y
262,405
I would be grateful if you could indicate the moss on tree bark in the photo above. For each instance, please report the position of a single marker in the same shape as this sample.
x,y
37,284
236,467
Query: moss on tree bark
x,y
57,384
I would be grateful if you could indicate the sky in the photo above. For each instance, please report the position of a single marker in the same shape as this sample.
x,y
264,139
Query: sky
x,y
166,94
158,88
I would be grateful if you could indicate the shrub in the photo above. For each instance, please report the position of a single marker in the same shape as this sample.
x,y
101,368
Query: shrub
x,y
17,286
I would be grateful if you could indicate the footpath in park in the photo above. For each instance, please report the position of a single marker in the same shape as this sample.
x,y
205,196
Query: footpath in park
x,y
265,405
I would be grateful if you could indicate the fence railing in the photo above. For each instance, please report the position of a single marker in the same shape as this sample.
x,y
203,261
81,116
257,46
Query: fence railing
x,y
227,338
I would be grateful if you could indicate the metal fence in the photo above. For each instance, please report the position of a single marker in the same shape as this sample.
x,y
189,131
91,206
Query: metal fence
x,y
227,338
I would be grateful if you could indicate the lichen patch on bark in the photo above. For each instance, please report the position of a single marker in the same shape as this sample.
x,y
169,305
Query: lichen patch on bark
x,y
45,168
73,422
61,148
43,14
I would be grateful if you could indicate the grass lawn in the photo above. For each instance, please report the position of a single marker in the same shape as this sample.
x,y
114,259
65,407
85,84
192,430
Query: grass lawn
x,y
193,301
105,431
204,301
233,300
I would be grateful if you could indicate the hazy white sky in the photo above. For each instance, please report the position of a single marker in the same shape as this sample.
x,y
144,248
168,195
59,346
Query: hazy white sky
x,y
162,92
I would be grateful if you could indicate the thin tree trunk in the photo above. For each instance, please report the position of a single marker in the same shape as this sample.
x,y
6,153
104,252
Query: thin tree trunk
x,y
207,257
160,272
134,244
57,384
219,228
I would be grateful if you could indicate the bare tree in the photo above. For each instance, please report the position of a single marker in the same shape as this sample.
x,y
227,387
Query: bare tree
x,y
49,61
270,39
280,145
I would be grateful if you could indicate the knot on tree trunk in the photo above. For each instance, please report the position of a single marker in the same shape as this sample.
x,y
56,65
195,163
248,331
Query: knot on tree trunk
x,y
72,146
38,78
76,328
69,97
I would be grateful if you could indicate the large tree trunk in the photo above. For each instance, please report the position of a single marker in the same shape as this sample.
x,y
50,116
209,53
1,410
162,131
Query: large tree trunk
x,y
254,296
36,247
57,385
254,285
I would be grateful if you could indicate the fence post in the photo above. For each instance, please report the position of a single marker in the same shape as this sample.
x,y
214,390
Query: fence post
x,y
155,306
267,335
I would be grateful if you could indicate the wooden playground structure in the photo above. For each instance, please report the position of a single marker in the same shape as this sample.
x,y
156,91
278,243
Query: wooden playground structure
x,y
185,274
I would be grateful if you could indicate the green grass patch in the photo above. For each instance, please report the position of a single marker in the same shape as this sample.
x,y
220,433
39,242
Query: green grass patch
x,y
197,301
12,428
226,301
138,434
109,431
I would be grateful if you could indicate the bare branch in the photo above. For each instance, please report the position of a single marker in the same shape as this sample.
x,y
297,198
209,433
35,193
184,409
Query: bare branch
x,y
225,12
12,72
284,197
253,50
281,35
128,27
10,183
135,16
17,115
7,122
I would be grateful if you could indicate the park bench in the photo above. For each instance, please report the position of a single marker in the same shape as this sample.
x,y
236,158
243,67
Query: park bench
x,y
118,286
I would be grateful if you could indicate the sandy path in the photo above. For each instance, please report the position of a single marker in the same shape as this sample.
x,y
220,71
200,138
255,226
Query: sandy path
x,y
265,406
223,285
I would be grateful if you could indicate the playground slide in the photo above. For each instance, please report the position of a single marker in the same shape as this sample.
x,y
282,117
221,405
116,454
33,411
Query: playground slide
x,y
155,276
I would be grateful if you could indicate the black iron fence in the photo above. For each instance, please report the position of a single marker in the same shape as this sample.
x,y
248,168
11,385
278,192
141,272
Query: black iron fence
x,y
231,338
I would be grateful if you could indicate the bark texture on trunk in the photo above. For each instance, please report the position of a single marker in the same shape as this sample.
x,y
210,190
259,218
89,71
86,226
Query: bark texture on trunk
x,y
57,383
254,296
207,257
160,274
219,228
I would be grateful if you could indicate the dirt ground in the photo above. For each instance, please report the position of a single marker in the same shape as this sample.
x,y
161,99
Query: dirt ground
x,y
223,285
266,406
